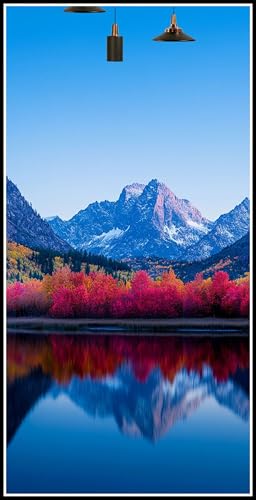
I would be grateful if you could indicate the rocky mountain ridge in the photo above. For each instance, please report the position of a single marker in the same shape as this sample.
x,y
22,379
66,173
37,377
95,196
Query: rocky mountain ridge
x,y
25,226
150,220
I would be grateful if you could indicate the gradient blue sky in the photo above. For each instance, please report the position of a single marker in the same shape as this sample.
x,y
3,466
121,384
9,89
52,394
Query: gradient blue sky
x,y
79,128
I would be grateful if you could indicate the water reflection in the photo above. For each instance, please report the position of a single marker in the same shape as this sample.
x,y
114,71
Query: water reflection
x,y
147,384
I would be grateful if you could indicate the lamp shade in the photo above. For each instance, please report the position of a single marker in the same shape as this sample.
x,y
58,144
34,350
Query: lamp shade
x,y
84,10
173,33
168,36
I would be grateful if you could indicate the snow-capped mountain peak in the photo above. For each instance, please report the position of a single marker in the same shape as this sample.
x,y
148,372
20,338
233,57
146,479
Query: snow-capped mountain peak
x,y
132,191
149,220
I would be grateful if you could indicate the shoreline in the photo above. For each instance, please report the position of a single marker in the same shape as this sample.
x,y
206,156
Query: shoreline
x,y
179,326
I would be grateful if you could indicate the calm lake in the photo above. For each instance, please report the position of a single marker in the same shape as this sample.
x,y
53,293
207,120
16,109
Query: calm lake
x,y
123,413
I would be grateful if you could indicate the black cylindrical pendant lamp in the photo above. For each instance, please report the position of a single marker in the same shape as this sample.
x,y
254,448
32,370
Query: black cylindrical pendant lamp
x,y
114,44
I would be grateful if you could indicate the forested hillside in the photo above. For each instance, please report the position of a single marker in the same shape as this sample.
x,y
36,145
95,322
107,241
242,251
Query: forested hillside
x,y
24,264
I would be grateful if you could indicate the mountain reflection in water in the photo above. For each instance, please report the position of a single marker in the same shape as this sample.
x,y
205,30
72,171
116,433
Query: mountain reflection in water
x,y
146,383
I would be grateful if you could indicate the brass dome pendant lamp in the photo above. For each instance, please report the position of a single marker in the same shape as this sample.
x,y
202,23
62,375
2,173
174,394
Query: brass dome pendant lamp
x,y
84,10
173,33
115,44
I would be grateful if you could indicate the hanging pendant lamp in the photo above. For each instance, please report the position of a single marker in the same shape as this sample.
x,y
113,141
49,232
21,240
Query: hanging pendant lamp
x,y
115,44
173,33
84,10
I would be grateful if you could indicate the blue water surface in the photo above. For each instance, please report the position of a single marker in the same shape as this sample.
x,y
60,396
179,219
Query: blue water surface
x,y
130,417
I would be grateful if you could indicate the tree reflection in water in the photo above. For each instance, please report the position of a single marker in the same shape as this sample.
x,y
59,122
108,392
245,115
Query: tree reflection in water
x,y
146,383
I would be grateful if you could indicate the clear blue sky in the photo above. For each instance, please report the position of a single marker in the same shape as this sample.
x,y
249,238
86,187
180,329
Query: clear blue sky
x,y
79,128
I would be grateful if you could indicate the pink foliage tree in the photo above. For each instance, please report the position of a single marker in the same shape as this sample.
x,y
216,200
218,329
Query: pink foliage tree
x,y
70,294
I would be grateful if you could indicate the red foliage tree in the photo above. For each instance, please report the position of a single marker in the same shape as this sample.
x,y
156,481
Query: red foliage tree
x,y
27,298
220,287
70,302
197,297
244,299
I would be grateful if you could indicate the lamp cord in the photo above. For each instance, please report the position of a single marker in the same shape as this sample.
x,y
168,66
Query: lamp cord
x,y
115,15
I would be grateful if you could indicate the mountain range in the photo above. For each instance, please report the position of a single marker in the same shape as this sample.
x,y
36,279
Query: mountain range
x,y
149,220
146,220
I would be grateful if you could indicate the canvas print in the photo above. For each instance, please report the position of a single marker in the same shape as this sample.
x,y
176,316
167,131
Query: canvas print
x,y
128,200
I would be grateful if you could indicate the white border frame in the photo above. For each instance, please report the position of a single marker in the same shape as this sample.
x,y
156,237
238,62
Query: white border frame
x,y
251,244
